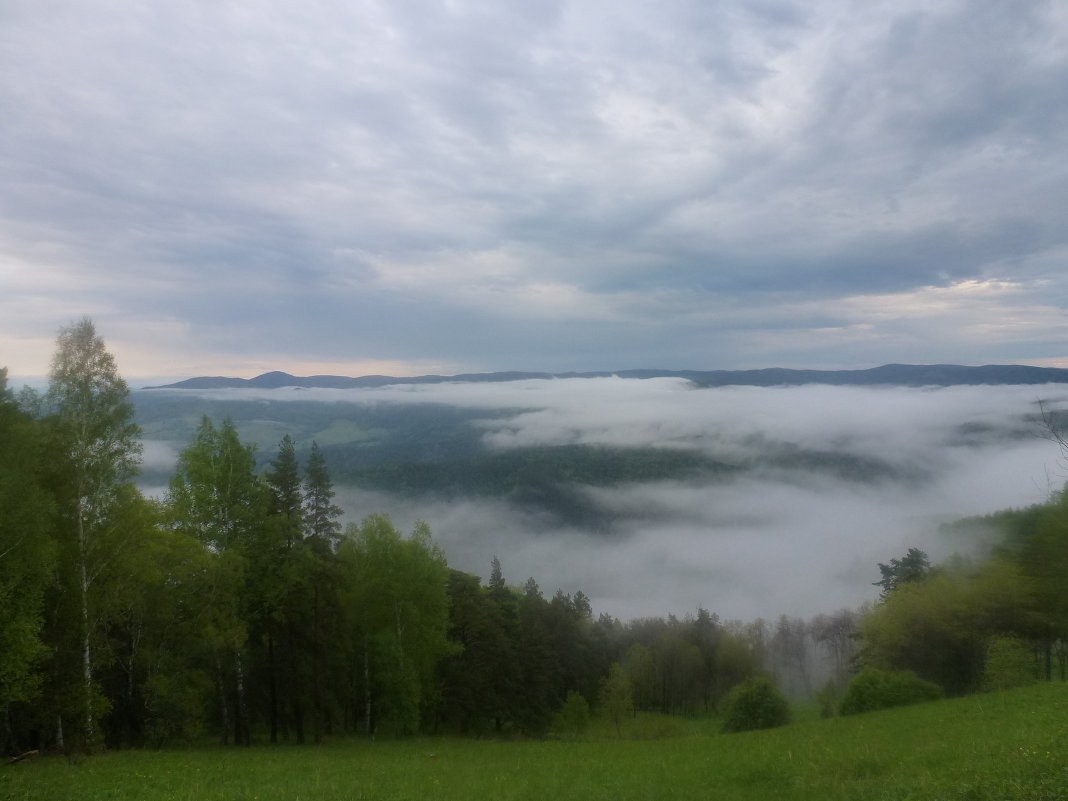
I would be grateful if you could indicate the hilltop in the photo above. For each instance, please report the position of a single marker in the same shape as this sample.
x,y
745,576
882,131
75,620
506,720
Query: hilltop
x,y
903,375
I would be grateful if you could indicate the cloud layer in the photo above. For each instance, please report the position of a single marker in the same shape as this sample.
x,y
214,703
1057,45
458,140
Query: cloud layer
x,y
414,187
799,537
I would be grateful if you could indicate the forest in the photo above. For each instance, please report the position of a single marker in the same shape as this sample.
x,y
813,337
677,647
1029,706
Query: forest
x,y
237,607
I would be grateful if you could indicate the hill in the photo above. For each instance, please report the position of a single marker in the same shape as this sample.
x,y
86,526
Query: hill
x,y
904,375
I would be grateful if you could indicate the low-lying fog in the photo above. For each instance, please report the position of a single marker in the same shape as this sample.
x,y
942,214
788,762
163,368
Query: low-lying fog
x,y
772,540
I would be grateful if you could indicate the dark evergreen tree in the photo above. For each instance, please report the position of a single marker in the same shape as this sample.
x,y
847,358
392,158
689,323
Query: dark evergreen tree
x,y
477,680
320,513
913,566
276,585
285,504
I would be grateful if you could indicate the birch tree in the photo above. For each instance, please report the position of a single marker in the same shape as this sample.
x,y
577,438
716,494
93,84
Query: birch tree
x,y
99,452
215,497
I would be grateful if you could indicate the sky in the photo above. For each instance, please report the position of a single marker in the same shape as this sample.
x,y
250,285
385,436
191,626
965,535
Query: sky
x,y
401,187
776,538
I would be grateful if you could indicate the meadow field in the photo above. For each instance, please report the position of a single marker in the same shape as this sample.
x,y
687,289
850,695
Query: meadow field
x,y
994,747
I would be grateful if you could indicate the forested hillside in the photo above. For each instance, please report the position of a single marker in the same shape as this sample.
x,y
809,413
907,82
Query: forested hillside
x,y
237,606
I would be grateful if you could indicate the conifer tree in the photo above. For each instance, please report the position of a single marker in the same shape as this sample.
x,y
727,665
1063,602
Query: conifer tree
x,y
285,499
320,512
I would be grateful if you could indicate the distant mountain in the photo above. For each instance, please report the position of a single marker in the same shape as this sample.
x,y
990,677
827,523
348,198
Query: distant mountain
x,y
902,375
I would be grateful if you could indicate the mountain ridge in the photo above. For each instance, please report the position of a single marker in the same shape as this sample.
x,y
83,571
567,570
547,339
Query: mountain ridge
x,y
913,375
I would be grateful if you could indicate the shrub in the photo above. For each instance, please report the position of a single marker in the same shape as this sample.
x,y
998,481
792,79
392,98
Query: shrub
x,y
573,717
873,689
1009,663
755,704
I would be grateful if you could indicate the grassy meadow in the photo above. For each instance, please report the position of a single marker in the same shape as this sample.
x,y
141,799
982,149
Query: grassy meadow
x,y
1010,745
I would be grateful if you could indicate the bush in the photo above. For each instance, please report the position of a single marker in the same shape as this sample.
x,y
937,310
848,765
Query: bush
x,y
573,717
873,689
1009,663
755,704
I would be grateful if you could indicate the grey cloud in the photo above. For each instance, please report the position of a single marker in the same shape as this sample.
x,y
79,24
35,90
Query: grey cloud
x,y
699,154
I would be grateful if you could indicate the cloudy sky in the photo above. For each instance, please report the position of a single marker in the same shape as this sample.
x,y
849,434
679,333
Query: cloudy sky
x,y
407,187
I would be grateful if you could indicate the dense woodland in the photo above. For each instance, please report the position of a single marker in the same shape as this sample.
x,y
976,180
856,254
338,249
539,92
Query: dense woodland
x,y
238,607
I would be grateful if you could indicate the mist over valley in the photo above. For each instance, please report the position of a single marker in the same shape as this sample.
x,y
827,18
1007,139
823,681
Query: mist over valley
x,y
654,496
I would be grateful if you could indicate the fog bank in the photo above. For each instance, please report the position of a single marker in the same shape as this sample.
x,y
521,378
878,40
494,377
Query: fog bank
x,y
774,540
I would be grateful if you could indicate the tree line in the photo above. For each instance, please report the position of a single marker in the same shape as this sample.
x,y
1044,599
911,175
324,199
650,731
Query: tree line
x,y
237,606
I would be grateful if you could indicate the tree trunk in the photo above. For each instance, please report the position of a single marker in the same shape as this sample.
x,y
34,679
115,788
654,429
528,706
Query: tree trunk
x,y
367,684
317,666
224,708
273,686
87,664
242,735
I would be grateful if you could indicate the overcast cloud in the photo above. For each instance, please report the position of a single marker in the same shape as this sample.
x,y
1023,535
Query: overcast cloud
x,y
410,187
778,538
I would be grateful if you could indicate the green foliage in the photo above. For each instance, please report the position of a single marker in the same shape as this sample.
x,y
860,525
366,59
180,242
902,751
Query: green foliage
x,y
176,705
942,627
931,628
396,606
479,678
755,704
26,550
1010,662
214,494
616,701
913,566
573,717
320,512
92,414
873,689
216,498
285,498
94,454
640,669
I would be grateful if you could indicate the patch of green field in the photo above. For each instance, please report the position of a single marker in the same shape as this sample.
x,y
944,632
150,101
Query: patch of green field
x,y
1011,746
341,432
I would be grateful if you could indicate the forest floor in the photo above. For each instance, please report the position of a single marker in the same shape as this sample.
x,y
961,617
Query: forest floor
x,y
1005,746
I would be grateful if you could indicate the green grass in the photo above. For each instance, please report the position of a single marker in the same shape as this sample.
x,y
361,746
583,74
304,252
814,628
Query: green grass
x,y
340,432
1005,747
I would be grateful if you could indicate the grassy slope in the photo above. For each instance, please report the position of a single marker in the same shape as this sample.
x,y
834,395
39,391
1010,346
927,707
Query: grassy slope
x,y
1011,745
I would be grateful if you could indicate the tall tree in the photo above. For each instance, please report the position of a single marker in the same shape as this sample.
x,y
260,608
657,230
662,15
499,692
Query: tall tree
x,y
913,566
99,453
398,614
320,512
26,552
477,680
216,497
278,581
285,503
616,699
